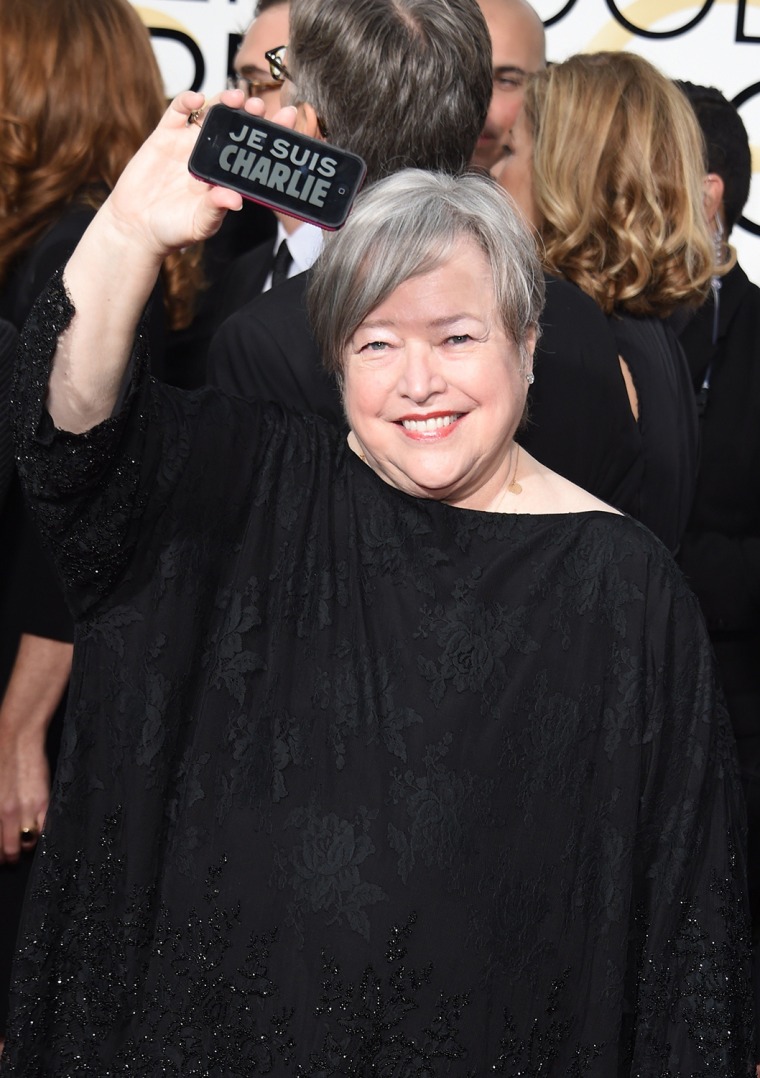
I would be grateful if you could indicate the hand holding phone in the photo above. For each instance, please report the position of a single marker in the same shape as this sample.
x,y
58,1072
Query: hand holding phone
x,y
278,167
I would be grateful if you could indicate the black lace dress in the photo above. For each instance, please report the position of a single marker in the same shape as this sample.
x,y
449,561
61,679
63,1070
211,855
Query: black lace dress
x,y
356,784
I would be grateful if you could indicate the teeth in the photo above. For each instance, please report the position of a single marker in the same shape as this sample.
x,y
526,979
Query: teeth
x,y
420,425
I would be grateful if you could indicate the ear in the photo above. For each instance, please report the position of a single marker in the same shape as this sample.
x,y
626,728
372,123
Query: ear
x,y
713,189
530,348
307,122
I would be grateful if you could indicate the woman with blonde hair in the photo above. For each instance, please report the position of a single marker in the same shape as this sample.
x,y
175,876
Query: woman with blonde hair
x,y
606,160
80,90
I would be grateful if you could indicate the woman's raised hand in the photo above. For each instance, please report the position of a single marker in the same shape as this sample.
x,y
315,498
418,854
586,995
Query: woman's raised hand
x,y
156,207
156,203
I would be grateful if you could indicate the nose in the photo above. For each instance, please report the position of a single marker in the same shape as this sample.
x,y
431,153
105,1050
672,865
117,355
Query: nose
x,y
421,377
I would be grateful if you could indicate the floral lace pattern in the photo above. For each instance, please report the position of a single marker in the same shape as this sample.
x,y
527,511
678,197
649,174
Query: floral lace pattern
x,y
355,785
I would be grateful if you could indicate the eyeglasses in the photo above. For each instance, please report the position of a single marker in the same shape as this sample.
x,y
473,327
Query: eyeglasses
x,y
252,87
277,68
257,87
278,71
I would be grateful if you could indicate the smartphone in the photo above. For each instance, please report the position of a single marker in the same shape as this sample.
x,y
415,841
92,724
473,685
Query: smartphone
x,y
277,167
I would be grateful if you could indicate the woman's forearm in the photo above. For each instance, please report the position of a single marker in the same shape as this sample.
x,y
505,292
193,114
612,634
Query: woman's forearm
x,y
109,279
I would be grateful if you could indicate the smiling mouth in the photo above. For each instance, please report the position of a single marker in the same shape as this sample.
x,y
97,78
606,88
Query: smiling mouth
x,y
421,426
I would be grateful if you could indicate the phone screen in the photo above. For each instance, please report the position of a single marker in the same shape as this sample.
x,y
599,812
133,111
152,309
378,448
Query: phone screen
x,y
280,168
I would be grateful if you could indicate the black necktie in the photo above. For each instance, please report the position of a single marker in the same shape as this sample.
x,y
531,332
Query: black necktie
x,y
282,261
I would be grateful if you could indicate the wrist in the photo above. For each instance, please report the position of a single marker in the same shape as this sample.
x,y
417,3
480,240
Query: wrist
x,y
22,727
121,253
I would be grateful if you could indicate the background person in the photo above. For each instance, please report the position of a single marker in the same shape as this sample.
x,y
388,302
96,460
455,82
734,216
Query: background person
x,y
239,260
499,785
594,444
606,160
518,45
64,144
295,245
720,553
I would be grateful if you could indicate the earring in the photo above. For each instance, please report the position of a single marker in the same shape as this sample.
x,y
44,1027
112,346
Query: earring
x,y
719,244
530,378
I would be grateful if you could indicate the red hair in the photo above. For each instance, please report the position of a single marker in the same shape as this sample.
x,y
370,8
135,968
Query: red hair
x,y
80,91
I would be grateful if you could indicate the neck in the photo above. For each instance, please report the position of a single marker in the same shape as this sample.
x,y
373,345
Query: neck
x,y
290,224
513,486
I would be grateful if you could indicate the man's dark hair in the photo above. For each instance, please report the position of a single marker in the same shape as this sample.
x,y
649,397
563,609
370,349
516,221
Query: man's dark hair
x,y
403,83
728,152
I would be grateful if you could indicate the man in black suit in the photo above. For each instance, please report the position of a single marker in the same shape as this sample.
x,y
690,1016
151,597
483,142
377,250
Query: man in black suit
x,y
294,247
289,246
402,84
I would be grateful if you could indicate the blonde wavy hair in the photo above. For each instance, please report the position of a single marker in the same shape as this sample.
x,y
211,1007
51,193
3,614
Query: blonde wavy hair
x,y
80,90
618,163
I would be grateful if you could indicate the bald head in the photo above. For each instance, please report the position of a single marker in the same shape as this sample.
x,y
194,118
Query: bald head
x,y
519,49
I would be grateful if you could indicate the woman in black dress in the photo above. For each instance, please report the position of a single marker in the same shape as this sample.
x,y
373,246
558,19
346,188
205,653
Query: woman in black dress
x,y
606,161
393,754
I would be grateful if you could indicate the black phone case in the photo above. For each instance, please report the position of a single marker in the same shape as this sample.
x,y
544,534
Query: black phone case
x,y
279,168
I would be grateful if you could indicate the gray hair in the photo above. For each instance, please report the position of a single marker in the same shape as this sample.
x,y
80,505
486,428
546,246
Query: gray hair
x,y
407,225
402,83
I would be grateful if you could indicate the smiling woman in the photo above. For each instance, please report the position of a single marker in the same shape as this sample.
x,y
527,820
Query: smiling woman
x,y
434,389
380,756
427,311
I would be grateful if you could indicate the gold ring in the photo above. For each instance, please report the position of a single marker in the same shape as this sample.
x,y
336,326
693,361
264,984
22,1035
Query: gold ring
x,y
196,117
28,835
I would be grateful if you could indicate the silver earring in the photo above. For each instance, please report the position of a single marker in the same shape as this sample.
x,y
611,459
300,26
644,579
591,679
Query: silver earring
x,y
719,242
530,378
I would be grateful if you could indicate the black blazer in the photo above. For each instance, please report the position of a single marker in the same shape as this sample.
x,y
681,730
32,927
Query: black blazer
x,y
266,351
721,549
244,279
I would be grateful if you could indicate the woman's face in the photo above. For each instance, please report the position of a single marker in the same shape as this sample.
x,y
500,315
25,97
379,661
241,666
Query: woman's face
x,y
434,389
514,170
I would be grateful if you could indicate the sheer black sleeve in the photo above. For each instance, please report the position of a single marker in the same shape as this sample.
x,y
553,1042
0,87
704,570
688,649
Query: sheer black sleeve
x,y
83,488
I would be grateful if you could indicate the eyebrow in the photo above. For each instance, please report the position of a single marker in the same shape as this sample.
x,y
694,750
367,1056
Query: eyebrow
x,y
509,69
252,69
436,323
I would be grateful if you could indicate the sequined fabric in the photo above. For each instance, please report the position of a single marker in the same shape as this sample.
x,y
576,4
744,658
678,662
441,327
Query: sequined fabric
x,y
354,784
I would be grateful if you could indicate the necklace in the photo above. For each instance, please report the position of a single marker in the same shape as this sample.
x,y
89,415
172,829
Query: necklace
x,y
513,486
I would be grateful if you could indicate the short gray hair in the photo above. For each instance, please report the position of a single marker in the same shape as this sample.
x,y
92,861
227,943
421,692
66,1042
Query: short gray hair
x,y
402,83
407,225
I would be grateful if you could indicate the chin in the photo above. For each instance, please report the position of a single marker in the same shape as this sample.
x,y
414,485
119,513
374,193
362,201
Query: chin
x,y
485,160
486,155
435,487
